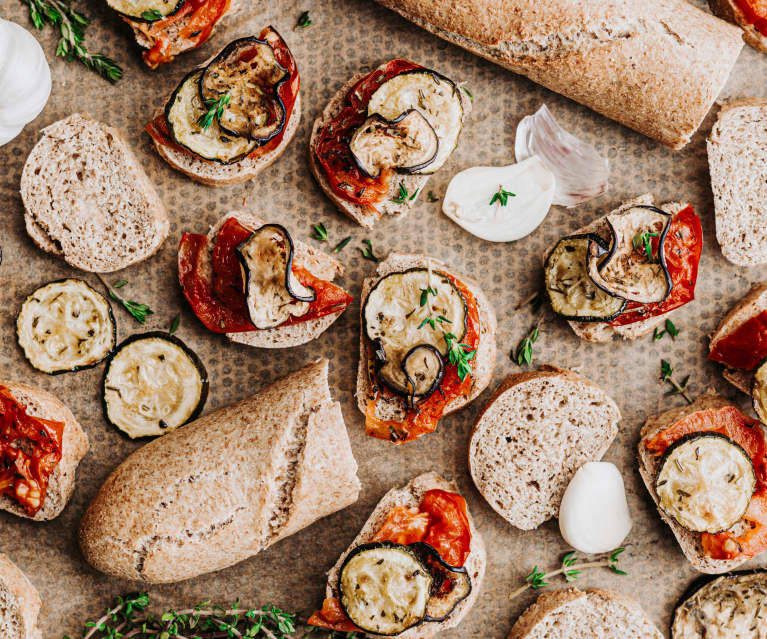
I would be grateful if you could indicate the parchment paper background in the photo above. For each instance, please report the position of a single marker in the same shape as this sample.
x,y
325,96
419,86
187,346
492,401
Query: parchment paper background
x,y
345,37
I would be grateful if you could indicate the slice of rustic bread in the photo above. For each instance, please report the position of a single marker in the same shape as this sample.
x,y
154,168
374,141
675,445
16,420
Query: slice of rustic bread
x,y
537,429
737,160
19,603
410,496
575,614
87,199
730,11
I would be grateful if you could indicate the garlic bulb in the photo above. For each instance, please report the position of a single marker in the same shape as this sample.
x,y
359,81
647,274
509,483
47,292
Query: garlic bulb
x,y
25,79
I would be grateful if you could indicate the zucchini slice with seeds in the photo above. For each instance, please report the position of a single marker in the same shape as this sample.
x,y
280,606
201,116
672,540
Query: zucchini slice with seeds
x,y
66,326
153,384
450,585
759,392
146,10
705,482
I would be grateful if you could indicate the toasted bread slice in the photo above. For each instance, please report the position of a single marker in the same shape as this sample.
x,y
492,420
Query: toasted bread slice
x,y
730,11
483,363
410,496
537,429
737,160
19,603
575,614
87,199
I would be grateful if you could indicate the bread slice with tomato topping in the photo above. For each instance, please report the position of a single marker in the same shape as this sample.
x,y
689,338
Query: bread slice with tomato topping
x,y
19,603
749,15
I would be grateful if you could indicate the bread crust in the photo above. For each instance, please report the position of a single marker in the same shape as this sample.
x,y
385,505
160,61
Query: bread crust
x,y
26,598
728,10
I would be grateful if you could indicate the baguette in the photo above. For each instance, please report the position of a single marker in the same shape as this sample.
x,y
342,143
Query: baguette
x,y
655,66
226,486
19,603
730,11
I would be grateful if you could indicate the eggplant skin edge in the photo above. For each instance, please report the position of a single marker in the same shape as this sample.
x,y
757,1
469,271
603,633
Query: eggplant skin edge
x,y
74,369
462,570
204,381
179,6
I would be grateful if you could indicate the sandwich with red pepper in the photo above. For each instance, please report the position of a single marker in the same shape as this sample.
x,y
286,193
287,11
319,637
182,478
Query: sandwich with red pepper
x,y
749,15
165,28
231,118
427,346
252,281
382,135
625,273
414,569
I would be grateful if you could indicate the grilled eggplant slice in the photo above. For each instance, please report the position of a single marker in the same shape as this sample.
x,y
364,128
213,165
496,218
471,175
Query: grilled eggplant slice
x,y
247,70
184,111
450,585
407,143
395,315
572,293
146,10
436,97
424,369
705,482
631,269
384,588
272,291
759,392
66,326
153,384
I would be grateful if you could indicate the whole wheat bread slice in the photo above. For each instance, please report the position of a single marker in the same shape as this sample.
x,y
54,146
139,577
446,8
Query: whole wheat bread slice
x,y
574,614
730,11
649,464
61,485
537,429
413,183
411,496
482,365
737,160
19,603
87,199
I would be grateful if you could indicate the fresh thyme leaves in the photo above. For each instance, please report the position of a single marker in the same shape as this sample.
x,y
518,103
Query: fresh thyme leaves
x,y
129,618
71,25
425,292
340,246
644,241
174,325
524,352
666,372
120,284
403,196
139,311
670,329
304,20
152,15
459,355
467,92
215,111
320,232
431,197
571,569
367,252
501,196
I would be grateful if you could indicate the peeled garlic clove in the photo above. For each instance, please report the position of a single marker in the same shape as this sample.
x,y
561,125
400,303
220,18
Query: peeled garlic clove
x,y
581,173
594,516
468,196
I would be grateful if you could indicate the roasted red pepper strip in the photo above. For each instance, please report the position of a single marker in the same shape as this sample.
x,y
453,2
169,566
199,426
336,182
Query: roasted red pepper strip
x,y
755,12
745,347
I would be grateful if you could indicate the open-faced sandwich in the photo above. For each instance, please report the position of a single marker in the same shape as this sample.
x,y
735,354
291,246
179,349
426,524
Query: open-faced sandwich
x,y
414,569
705,467
427,346
165,28
623,274
20,603
251,280
380,137
234,116
749,15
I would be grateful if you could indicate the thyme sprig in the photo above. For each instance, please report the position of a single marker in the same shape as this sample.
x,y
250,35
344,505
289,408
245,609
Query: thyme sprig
x,y
319,232
367,252
342,244
71,25
215,111
403,196
137,310
174,325
644,241
304,20
671,329
666,372
571,569
152,15
501,196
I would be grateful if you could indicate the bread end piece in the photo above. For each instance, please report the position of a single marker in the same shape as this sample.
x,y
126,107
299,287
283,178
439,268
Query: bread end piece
x,y
728,10
19,603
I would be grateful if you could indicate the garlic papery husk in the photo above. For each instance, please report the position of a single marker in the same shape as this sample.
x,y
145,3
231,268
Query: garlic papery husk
x,y
25,79
582,174
468,196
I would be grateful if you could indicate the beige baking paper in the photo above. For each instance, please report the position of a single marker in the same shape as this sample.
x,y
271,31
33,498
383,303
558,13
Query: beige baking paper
x,y
347,36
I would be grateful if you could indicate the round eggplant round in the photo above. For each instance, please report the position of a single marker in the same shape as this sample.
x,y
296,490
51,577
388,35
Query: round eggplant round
x,y
153,384
450,584
146,10
384,588
248,72
423,368
66,326
759,392
184,113
705,482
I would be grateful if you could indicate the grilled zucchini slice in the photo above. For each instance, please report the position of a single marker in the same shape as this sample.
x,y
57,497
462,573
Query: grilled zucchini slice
x,y
705,482
436,97
184,113
66,326
384,588
146,10
572,293
153,384
450,585
759,392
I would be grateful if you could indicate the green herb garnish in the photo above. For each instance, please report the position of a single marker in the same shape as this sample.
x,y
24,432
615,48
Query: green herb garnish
x,y
666,372
215,111
459,355
431,197
524,352
467,92
367,252
672,330
120,284
139,311
643,241
501,196
425,292
320,232
152,15
340,246
403,196
174,325
304,20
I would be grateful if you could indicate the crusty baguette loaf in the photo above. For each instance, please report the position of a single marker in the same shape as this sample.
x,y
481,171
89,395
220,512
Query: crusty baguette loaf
x,y
87,199
730,11
226,486
482,365
574,614
536,430
411,496
19,603
656,65
364,216
61,485
319,264
737,160
649,464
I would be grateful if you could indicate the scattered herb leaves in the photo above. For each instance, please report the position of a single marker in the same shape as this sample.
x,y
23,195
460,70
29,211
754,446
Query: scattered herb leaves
x,y
643,241
501,196
320,232
467,92
340,246
524,353
367,252
152,15
304,20
174,325
671,329
215,111
666,373
139,311
425,292
120,284
459,355
431,197
403,196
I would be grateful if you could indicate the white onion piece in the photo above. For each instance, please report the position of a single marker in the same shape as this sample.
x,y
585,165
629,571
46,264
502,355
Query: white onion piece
x,y
467,199
594,516
581,173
